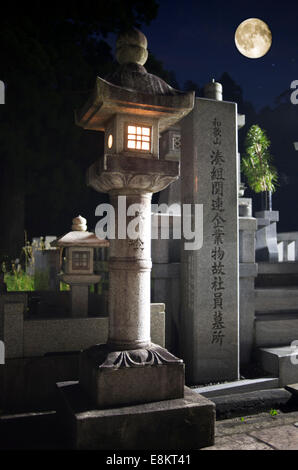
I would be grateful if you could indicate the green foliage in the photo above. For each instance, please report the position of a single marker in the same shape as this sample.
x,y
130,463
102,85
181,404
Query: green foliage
x,y
64,287
273,412
256,163
17,280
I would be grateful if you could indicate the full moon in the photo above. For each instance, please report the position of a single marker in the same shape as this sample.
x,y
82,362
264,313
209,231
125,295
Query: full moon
x,y
253,38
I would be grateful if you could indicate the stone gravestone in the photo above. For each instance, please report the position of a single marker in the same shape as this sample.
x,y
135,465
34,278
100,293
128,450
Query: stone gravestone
x,y
209,275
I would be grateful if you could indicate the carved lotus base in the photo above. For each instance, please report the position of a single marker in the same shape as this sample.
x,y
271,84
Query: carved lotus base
x,y
119,173
115,378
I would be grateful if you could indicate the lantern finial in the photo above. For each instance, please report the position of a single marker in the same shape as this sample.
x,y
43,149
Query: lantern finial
x,y
79,224
131,47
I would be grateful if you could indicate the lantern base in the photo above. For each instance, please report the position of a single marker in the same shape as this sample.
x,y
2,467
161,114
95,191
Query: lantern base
x,y
114,378
186,424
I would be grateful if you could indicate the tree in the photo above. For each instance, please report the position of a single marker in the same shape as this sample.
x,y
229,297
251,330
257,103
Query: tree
x,y
261,175
48,63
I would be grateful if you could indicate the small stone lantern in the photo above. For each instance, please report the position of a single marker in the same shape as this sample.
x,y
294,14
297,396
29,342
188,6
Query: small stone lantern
x,y
79,273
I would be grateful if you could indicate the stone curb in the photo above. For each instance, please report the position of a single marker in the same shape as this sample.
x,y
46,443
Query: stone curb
x,y
252,402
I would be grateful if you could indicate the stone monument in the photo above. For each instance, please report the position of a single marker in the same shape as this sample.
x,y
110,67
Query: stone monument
x,y
131,392
209,176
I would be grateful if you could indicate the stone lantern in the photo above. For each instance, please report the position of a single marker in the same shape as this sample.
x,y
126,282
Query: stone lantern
x,y
79,273
132,108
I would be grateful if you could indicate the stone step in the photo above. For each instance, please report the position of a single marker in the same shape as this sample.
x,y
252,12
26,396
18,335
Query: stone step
x,y
276,299
283,274
281,362
276,280
286,267
274,329
293,388
30,430
237,386
249,403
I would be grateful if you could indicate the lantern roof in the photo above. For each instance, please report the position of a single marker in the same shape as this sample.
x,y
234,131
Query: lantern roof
x,y
132,90
80,237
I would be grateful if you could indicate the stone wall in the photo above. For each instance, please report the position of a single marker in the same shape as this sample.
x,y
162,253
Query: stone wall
x,y
40,352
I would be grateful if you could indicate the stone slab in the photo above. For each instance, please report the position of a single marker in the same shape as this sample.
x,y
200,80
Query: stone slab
x,y
263,222
210,299
254,422
287,236
247,315
276,330
248,269
186,423
238,442
276,299
247,239
272,216
282,362
280,438
239,386
13,319
248,223
278,268
266,241
74,334
292,388
242,404
242,433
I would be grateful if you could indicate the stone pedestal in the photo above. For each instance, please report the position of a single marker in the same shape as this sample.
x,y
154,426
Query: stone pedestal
x,y
116,378
185,424
266,237
80,291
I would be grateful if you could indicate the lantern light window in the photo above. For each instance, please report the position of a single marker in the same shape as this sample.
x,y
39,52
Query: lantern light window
x,y
110,141
81,260
139,138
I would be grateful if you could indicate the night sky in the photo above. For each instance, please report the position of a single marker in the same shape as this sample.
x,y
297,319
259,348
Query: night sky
x,y
196,40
